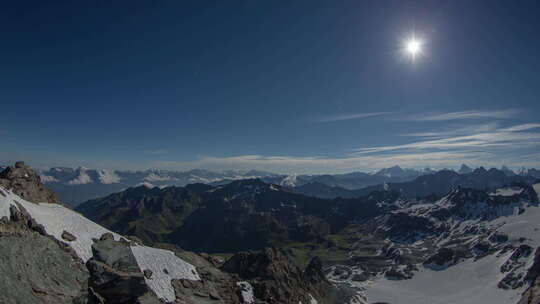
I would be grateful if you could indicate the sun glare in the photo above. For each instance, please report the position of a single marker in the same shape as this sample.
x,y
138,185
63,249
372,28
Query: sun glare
x,y
413,47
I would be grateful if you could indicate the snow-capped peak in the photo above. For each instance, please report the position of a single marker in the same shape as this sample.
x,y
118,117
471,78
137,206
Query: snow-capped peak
x,y
289,181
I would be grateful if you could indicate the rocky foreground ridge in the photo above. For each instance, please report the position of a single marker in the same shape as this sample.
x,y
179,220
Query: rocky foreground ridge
x,y
51,254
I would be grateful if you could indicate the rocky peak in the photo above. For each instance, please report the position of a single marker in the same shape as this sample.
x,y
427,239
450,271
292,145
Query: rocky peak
x,y
26,183
270,262
465,169
275,279
507,171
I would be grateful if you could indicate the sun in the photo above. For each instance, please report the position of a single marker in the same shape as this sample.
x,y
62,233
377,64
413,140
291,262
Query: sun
x,y
413,47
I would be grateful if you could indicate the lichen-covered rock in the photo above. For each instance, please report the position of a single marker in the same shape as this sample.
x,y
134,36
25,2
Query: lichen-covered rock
x,y
36,270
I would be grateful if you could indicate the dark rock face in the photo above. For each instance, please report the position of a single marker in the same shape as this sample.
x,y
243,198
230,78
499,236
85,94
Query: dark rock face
x,y
26,183
276,280
532,294
400,274
446,257
115,275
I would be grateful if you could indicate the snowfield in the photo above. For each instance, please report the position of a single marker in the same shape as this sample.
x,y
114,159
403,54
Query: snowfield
x,y
468,282
56,219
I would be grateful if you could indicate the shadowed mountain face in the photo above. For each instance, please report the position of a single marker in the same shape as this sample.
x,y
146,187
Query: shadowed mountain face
x,y
251,214
246,214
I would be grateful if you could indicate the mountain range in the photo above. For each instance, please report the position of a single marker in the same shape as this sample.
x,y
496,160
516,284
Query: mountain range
x,y
442,237
51,254
76,185
481,224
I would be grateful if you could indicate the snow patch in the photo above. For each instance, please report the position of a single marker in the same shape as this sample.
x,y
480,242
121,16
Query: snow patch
x,y
165,266
289,181
312,299
247,292
146,184
536,188
509,191
152,177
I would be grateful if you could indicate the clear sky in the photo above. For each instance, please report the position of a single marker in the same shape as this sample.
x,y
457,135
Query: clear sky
x,y
287,86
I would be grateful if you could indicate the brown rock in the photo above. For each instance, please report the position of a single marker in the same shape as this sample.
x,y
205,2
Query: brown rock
x,y
68,236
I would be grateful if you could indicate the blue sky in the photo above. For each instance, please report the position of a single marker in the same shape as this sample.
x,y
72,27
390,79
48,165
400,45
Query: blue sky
x,y
287,86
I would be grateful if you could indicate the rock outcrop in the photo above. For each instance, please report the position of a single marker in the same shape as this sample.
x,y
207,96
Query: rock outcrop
x,y
26,183
532,294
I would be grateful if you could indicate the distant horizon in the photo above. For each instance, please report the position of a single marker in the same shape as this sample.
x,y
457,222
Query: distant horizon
x,y
419,169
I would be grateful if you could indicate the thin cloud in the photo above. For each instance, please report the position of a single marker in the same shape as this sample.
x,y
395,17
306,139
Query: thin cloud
x,y
313,165
511,137
523,127
472,114
157,152
352,116
310,165
473,129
